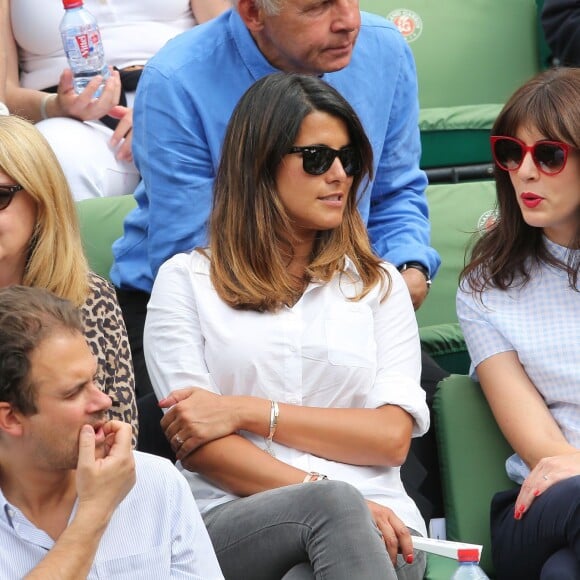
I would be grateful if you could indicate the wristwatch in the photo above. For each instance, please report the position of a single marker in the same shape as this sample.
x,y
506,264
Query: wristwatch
x,y
420,267
4,109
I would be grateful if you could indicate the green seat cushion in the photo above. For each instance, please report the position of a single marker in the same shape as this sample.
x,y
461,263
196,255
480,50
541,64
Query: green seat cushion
x,y
445,343
101,223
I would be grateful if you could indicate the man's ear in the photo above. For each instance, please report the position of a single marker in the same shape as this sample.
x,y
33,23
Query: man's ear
x,y
252,16
10,420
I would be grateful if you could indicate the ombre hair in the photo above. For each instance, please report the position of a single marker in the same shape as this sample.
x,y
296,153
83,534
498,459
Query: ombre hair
x,y
56,260
249,226
507,252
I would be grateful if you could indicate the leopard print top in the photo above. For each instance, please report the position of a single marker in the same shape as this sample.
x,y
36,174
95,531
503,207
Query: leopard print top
x,y
106,334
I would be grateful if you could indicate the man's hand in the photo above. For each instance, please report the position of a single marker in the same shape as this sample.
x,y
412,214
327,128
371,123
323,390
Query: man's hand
x,y
85,106
103,483
195,417
395,533
417,285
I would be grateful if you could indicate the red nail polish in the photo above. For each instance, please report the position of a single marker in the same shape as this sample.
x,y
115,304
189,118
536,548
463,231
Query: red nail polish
x,y
409,559
521,509
536,492
517,515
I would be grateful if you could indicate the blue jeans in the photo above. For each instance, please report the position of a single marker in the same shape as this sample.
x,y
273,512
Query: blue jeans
x,y
545,543
305,531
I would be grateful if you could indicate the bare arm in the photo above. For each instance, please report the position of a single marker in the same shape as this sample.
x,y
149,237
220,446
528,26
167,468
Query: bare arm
x,y
355,436
66,103
528,425
101,485
204,10
3,22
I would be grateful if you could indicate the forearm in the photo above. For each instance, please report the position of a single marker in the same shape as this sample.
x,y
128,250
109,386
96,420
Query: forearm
x,y
73,553
240,467
354,436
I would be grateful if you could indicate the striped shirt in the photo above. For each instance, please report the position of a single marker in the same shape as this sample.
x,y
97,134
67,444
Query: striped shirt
x,y
541,322
155,533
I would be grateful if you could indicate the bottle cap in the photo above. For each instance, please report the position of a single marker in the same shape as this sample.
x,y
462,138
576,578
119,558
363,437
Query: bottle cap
x,y
468,555
72,3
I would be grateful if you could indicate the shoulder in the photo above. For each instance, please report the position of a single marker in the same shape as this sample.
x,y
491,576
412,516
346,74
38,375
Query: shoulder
x,y
193,49
375,28
158,474
194,262
101,296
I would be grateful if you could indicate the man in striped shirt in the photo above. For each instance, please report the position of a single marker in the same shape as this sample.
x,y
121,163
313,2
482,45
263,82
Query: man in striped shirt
x,y
76,501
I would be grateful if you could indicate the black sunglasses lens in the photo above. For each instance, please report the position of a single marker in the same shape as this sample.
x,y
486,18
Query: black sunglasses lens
x,y
549,156
5,198
317,161
350,161
508,153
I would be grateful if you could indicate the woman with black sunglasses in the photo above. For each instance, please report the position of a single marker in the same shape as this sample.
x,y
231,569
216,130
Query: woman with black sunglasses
x,y
519,308
294,351
40,245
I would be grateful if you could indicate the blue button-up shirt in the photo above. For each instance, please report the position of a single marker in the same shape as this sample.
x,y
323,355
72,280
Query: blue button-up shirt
x,y
184,101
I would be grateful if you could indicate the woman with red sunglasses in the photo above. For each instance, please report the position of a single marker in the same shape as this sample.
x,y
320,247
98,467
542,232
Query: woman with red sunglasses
x,y
519,308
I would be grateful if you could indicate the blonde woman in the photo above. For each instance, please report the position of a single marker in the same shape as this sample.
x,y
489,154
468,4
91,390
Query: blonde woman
x,y
40,245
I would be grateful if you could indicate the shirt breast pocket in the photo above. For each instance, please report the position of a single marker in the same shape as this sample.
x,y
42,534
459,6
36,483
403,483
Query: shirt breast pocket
x,y
350,338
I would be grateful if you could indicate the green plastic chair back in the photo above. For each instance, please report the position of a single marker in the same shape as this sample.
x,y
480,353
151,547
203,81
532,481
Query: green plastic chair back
x,y
101,223
455,210
467,52
472,454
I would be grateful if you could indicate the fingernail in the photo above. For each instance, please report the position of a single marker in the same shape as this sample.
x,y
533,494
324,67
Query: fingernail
x,y
517,515
536,492
522,508
409,559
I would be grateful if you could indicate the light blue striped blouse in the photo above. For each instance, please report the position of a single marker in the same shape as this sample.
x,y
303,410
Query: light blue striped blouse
x,y
155,533
541,322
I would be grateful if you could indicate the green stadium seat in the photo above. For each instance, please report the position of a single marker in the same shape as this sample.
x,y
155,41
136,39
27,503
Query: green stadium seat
x,y
470,57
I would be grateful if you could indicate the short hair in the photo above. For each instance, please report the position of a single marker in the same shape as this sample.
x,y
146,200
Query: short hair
x,y
248,220
270,7
27,317
56,259
550,103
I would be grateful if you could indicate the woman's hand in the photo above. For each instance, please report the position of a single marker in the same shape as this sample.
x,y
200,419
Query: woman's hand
x,y
547,472
123,133
196,417
395,533
85,106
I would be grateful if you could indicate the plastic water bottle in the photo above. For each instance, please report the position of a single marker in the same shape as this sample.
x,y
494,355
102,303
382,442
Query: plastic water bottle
x,y
82,44
468,568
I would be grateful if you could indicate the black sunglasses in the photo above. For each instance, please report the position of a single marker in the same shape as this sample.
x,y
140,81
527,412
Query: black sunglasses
x,y
317,159
7,193
548,156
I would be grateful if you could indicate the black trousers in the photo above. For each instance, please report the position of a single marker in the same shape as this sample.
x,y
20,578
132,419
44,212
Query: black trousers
x,y
545,543
420,474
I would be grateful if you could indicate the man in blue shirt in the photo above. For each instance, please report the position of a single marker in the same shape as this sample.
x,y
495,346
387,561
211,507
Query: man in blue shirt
x,y
184,101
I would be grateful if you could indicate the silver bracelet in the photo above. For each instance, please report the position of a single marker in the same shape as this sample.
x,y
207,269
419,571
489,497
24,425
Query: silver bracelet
x,y
274,414
44,103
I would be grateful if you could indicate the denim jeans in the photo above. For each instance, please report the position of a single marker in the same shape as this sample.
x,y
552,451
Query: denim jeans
x,y
321,530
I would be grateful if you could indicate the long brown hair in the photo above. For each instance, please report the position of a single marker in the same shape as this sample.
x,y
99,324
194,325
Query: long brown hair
x,y
507,252
249,224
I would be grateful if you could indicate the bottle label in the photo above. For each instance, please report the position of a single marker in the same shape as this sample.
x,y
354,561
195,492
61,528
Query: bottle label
x,y
83,44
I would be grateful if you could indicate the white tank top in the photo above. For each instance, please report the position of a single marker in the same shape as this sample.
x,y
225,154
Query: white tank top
x,y
132,31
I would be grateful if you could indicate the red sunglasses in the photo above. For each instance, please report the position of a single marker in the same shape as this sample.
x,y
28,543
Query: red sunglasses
x,y
549,156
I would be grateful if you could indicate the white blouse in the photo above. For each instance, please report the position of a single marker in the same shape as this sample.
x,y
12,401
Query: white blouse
x,y
132,32
325,351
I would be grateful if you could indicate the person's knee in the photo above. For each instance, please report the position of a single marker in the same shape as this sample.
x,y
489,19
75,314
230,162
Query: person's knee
x,y
337,500
562,565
